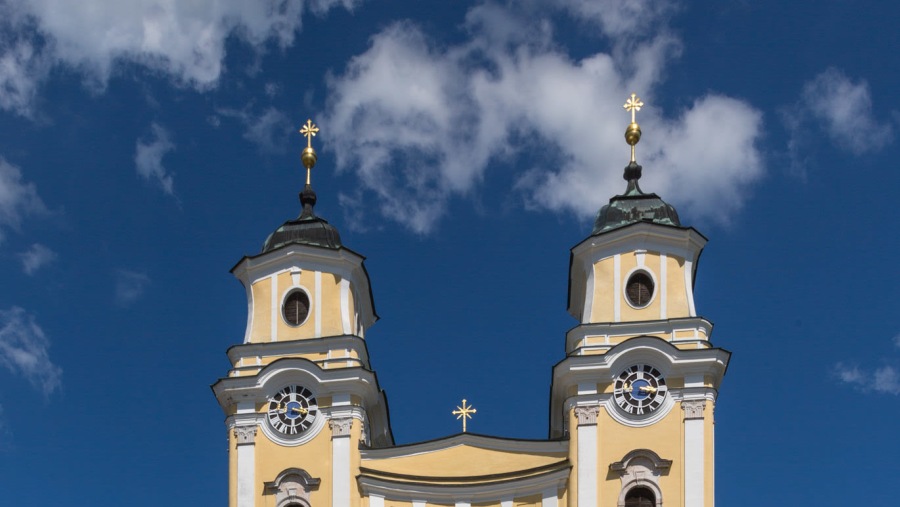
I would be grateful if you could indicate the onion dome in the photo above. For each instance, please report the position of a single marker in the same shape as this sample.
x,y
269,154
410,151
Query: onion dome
x,y
306,229
634,205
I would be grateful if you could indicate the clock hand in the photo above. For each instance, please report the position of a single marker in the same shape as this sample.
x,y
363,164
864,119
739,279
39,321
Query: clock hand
x,y
627,388
300,410
647,389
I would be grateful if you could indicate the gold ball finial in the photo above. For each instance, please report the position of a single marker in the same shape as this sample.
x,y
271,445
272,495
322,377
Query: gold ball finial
x,y
309,157
633,132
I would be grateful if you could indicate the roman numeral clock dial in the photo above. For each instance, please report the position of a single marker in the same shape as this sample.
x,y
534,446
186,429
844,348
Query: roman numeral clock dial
x,y
640,390
292,410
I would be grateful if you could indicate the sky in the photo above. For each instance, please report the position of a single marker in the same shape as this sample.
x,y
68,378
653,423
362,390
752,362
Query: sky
x,y
146,146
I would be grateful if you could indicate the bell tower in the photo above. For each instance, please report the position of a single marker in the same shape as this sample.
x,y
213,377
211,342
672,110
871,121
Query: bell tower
x,y
301,395
636,391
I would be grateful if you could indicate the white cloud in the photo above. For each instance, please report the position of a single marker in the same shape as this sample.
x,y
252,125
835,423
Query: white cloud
x,y
149,154
270,130
184,40
422,123
17,198
130,286
24,350
884,379
36,257
843,108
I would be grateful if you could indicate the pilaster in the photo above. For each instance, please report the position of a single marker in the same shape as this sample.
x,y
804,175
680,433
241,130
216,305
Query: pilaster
x,y
694,453
587,455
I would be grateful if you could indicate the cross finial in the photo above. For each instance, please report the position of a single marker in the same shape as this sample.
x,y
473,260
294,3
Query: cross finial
x,y
634,105
309,157
309,131
633,132
464,413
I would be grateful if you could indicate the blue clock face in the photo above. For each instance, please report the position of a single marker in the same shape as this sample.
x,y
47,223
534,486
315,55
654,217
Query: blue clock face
x,y
640,390
292,410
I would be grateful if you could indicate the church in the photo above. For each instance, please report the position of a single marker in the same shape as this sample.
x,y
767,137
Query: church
x,y
631,403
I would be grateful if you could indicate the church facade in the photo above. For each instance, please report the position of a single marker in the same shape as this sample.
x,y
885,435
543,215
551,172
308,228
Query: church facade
x,y
631,403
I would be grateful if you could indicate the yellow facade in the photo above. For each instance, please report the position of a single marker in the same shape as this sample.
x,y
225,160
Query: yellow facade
x,y
631,402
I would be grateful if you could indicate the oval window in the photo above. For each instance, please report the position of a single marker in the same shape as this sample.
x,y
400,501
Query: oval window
x,y
296,307
639,289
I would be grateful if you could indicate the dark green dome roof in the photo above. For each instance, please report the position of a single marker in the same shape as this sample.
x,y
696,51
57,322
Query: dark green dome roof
x,y
307,229
634,206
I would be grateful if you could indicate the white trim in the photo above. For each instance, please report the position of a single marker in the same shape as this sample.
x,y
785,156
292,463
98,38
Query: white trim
x,y
376,501
663,286
318,304
295,275
656,287
506,503
249,290
463,504
617,287
246,475
689,286
275,310
340,470
639,256
476,493
345,305
418,503
606,331
468,439
693,463
587,388
549,497
588,313
587,466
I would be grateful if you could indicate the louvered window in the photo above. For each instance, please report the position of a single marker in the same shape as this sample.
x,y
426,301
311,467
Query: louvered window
x,y
296,307
639,289
640,497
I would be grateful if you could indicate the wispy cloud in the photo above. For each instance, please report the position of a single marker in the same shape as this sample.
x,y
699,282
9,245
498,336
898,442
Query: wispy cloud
x,y
24,350
17,197
130,286
183,40
420,122
36,257
841,107
269,130
148,156
882,379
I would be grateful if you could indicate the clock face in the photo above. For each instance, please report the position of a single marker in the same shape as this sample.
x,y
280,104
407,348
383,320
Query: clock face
x,y
292,410
640,389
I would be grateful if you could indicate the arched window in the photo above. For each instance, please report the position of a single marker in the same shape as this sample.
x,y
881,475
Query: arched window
x,y
640,497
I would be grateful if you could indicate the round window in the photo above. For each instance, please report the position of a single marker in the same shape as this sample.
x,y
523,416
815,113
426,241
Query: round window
x,y
296,307
639,289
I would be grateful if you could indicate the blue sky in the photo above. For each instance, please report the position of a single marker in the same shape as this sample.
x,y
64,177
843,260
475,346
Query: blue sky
x,y
147,146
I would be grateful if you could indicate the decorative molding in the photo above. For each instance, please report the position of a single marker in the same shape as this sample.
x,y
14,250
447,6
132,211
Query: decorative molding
x,y
292,487
587,415
693,409
653,458
641,468
245,435
340,426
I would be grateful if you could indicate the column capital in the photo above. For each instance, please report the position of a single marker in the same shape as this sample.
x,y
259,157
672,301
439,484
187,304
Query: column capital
x,y
693,409
340,426
587,415
245,435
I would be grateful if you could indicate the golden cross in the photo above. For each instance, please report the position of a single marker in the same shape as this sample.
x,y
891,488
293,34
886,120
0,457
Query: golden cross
x,y
464,413
309,131
633,104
